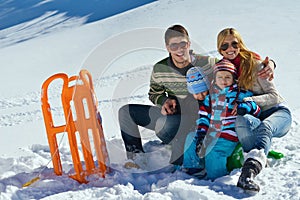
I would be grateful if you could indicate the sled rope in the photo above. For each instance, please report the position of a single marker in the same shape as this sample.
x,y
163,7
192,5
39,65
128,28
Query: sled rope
x,y
38,177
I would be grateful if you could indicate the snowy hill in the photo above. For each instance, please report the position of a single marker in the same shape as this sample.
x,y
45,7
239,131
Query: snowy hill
x,y
40,38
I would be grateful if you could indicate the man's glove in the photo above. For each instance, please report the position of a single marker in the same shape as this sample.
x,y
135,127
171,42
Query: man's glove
x,y
248,107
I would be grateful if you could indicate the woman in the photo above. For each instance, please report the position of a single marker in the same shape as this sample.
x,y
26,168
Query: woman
x,y
275,120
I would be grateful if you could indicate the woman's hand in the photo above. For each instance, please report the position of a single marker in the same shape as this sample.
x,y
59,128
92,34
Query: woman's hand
x,y
268,71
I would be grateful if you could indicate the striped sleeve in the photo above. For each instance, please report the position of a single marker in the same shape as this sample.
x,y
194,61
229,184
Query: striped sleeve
x,y
204,116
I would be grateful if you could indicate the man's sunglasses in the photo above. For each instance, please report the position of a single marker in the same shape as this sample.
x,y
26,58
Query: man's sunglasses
x,y
225,46
175,46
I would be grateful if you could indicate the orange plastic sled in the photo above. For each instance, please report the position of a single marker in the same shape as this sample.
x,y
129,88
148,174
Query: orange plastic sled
x,y
82,118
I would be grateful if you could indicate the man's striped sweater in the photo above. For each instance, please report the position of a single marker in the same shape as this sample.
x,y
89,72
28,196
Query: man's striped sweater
x,y
169,81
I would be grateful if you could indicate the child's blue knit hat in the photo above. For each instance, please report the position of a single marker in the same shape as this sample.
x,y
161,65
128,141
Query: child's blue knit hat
x,y
196,82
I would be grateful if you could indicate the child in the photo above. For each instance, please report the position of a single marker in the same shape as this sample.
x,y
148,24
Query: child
x,y
198,85
215,136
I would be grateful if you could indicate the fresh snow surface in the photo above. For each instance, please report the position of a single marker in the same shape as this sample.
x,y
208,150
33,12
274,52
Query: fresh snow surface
x,y
41,39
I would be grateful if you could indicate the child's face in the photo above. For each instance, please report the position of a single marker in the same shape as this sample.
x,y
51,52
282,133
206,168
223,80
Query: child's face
x,y
223,79
200,96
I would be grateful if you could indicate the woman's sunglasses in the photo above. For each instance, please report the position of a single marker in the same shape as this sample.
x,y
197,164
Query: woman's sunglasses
x,y
175,46
225,46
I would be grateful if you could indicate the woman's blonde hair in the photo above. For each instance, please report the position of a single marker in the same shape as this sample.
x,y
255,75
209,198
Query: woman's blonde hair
x,y
248,62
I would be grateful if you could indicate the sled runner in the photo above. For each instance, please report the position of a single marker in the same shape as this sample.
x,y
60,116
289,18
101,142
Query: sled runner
x,y
82,123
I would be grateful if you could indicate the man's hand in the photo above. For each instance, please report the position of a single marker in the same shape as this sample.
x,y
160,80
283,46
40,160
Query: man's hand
x,y
169,107
268,71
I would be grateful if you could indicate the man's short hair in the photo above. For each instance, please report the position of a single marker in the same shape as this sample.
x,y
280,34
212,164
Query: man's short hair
x,y
176,31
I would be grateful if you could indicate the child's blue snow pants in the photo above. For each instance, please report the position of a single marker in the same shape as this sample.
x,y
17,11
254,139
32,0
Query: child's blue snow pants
x,y
190,157
216,156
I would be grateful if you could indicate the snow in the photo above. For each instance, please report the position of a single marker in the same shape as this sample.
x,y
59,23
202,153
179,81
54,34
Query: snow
x,y
44,37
